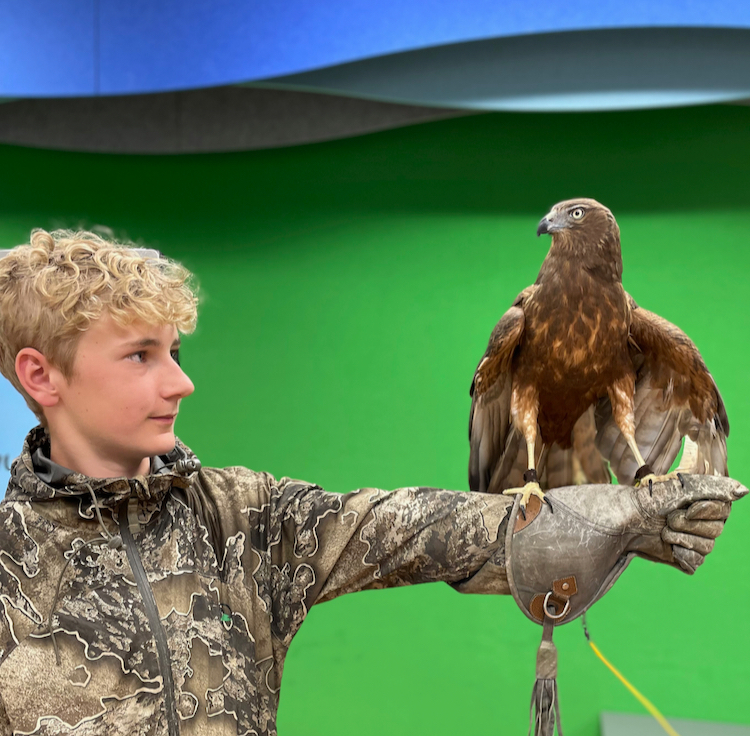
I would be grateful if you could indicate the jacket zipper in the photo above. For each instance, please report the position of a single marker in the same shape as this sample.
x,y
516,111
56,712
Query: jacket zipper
x,y
152,612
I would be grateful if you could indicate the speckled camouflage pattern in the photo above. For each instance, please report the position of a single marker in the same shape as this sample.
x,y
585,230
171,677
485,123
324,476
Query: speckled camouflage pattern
x,y
289,545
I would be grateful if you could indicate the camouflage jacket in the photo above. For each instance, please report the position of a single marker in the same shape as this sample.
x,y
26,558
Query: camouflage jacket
x,y
132,624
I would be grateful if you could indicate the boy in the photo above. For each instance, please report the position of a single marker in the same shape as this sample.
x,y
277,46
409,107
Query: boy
x,y
145,594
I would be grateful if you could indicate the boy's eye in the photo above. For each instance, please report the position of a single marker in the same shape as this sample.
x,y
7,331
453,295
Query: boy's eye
x,y
139,357
176,356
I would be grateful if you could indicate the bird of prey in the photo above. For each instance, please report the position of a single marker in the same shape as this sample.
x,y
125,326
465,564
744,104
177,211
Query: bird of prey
x,y
576,375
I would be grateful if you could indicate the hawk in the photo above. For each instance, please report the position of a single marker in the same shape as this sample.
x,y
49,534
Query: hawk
x,y
576,375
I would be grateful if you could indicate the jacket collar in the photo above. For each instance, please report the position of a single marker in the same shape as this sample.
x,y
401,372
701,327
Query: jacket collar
x,y
34,477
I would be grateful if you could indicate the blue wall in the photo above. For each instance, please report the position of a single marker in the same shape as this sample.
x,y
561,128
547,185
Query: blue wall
x,y
17,420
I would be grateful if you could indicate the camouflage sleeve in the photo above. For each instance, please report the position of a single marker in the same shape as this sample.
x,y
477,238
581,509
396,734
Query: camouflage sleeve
x,y
369,539
5,729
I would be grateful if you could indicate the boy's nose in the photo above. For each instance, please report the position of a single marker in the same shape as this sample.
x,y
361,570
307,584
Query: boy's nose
x,y
179,384
188,385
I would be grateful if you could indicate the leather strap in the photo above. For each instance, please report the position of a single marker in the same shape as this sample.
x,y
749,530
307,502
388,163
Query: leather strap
x,y
556,601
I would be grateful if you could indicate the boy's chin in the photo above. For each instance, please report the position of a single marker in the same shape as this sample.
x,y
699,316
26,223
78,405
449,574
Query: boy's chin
x,y
163,445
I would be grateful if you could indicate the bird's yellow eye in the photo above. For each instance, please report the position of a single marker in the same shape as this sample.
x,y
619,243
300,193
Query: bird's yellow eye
x,y
577,213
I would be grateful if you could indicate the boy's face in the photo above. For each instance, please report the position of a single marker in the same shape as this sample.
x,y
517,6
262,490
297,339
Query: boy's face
x,y
119,405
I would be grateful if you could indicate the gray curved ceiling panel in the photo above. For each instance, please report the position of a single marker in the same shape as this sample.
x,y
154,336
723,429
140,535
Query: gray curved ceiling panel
x,y
592,70
569,71
200,121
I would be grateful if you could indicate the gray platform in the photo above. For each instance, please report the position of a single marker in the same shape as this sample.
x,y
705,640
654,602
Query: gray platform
x,y
626,724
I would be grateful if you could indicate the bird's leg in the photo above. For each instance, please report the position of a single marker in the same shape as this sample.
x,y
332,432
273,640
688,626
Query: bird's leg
x,y
643,467
543,458
524,407
621,396
646,476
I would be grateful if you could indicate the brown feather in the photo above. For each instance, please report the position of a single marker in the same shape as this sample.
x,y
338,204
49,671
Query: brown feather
x,y
677,367
489,419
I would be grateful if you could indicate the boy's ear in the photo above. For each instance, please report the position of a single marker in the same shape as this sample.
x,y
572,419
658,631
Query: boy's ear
x,y
38,376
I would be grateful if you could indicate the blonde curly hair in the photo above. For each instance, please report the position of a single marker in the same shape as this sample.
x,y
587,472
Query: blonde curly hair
x,y
53,288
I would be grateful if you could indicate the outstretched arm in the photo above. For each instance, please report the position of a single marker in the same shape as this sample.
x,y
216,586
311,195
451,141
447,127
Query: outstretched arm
x,y
379,539
328,544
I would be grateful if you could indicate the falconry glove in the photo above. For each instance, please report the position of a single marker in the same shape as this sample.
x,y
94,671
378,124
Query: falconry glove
x,y
560,563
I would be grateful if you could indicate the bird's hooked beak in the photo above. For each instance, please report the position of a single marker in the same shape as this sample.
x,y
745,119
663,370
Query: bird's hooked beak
x,y
548,224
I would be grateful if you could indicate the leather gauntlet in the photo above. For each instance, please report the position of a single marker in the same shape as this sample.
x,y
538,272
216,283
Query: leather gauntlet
x,y
563,561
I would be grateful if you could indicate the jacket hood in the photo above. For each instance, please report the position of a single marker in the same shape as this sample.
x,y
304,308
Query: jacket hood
x,y
49,481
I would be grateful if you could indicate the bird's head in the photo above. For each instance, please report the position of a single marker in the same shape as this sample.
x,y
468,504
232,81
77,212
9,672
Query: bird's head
x,y
580,220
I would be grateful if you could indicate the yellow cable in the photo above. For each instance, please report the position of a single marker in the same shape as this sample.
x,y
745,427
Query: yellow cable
x,y
647,704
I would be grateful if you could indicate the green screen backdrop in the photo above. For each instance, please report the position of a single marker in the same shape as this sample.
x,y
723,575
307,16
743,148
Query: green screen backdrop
x,y
349,289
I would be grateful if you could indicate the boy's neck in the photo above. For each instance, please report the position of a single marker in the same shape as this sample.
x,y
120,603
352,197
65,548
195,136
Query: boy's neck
x,y
87,461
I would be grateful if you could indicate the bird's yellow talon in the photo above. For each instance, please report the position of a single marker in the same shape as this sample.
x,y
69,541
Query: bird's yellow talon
x,y
529,490
651,478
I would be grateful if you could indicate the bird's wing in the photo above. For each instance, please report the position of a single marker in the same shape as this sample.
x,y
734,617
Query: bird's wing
x,y
675,397
490,429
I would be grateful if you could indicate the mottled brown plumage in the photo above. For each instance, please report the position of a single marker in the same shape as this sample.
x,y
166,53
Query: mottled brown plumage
x,y
576,374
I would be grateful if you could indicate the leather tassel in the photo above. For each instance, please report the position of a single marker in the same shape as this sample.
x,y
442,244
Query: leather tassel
x,y
544,714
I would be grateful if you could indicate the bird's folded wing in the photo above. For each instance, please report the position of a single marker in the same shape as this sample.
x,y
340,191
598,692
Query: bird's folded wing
x,y
490,422
675,397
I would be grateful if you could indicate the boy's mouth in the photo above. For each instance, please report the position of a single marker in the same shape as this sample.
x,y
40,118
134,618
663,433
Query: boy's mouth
x,y
166,419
